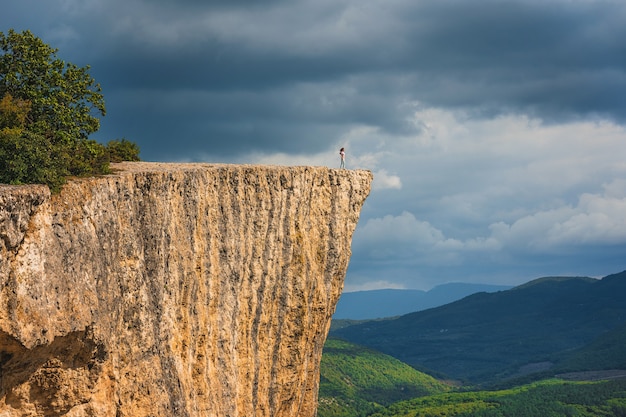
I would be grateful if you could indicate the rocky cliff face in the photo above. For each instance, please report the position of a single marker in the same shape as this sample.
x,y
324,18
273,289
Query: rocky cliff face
x,y
173,290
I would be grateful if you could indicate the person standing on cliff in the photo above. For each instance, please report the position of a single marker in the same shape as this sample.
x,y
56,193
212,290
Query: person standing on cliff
x,y
342,156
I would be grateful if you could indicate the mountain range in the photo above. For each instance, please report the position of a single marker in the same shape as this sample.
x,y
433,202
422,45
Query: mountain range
x,y
383,303
552,324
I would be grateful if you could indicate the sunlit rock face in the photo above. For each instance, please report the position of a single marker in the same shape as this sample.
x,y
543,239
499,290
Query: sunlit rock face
x,y
173,289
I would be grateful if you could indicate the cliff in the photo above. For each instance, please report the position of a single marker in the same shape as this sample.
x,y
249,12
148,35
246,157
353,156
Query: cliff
x,y
173,289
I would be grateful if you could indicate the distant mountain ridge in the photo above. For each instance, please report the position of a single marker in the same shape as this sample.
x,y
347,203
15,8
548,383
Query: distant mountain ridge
x,y
383,303
489,337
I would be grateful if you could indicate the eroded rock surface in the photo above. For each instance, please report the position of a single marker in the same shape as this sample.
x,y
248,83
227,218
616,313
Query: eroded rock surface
x,y
173,289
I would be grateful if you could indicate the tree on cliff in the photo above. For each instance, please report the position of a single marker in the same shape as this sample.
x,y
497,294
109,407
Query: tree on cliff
x,y
48,109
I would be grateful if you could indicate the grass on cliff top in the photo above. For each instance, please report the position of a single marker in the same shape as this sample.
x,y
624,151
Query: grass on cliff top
x,y
356,381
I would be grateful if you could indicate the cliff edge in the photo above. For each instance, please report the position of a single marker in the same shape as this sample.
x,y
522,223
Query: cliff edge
x,y
173,289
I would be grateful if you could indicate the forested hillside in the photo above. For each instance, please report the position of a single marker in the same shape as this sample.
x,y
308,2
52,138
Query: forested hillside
x,y
356,381
552,398
488,338
606,352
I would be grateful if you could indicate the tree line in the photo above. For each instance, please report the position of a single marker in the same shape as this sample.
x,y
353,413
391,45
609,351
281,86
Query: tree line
x,y
549,398
48,109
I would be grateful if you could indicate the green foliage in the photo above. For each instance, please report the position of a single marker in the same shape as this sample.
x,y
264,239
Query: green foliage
x,y
606,352
89,158
13,113
123,150
577,312
30,158
48,108
62,95
356,381
551,398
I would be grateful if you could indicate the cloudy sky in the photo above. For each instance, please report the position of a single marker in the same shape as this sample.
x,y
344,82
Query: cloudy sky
x,y
496,129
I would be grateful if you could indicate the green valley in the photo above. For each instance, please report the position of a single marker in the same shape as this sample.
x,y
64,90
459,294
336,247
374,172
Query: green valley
x,y
489,338
356,381
555,346
359,382
550,398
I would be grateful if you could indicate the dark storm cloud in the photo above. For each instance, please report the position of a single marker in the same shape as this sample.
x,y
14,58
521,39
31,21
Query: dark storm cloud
x,y
296,119
551,58
555,60
215,4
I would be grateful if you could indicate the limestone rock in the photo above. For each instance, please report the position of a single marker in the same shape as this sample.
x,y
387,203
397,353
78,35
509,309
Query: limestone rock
x,y
173,289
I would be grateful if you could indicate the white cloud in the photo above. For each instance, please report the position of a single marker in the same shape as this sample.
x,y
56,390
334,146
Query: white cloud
x,y
404,229
616,188
383,180
328,159
597,219
491,192
477,193
373,285
384,236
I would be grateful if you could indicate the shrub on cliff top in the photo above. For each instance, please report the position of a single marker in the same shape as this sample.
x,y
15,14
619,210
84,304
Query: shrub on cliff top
x,y
123,150
48,109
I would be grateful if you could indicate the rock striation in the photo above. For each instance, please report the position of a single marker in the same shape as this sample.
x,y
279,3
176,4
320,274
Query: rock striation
x,y
173,289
